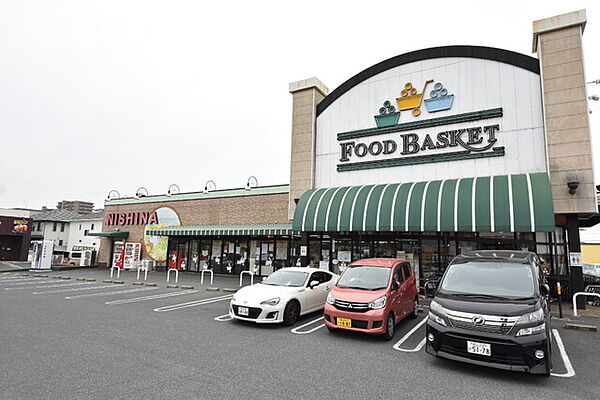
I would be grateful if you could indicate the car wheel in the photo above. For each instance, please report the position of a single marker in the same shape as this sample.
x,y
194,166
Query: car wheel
x,y
330,329
390,327
415,311
291,313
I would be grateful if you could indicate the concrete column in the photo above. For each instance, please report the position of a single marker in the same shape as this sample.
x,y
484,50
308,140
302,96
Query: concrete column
x,y
557,41
306,95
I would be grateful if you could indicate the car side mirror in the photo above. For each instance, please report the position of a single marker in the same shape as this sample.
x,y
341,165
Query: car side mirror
x,y
313,284
545,290
264,277
395,285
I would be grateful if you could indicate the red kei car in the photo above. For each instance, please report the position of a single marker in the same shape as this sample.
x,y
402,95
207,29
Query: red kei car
x,y
373,295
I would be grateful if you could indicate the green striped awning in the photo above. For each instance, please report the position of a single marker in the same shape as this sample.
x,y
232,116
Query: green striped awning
x,y
504,203
223,230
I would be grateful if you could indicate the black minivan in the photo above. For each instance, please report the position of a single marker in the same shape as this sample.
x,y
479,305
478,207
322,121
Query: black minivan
x,y
491,309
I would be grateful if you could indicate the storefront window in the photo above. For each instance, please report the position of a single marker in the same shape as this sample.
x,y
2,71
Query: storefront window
x,y
384,248
254,257
267,257
342,254
227,266
194,257
314,252
430,267
362,249
241,257
294,259
204,254
281,254
215,256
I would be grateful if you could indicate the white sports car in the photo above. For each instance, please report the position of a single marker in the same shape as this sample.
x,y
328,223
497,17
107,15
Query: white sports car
x,y
283,296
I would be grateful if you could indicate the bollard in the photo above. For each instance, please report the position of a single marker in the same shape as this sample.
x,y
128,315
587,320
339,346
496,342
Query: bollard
x,y
202,276
118,271
579,294
176,274
251,277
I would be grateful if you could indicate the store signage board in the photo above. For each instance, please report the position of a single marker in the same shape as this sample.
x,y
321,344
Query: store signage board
x,y
131,218
433,119
303,251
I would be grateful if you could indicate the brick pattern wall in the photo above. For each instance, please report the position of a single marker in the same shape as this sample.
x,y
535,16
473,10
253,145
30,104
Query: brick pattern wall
x,y
258,209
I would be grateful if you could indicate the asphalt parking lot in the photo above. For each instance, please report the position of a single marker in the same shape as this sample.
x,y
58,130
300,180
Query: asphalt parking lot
x,y
76,339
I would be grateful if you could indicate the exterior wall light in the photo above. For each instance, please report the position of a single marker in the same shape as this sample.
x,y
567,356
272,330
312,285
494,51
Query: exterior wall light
x,y
252,182
141,192
209,186
173,189
573,186
112,195
594,97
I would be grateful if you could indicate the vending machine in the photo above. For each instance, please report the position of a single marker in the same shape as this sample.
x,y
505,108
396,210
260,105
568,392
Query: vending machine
x,y
118,250
42,255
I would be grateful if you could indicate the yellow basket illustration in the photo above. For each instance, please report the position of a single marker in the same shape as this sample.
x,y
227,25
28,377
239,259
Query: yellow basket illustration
x,y
411,100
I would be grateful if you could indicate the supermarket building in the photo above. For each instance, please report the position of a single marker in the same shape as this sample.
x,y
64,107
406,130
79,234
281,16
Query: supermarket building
x,y
421,156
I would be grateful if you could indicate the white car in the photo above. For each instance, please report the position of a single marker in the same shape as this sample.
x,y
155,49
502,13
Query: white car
x,y
283,296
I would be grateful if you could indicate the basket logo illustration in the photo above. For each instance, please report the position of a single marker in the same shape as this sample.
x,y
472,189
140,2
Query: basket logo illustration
x,y
388,116
411,99
439,99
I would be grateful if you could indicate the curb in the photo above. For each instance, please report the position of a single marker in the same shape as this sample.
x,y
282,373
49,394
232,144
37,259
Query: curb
x,y
230,290
172,286
90,279
212,289
137,283
107,281
186,287
581,327
149,284
118,282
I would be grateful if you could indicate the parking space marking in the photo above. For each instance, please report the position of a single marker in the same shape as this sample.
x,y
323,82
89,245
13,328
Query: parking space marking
x,y
31,281
76,289
150,297
563,353
110,293
296,330
223,318
405,338
48,286
195,303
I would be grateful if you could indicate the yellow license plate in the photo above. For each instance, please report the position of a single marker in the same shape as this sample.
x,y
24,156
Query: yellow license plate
x,y
344,322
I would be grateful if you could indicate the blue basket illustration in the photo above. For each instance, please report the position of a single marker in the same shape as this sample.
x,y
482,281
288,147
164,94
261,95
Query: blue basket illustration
x,y
388,116
440,100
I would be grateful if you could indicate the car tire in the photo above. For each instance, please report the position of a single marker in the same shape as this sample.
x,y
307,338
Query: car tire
x,y
390,327
415,311
291,313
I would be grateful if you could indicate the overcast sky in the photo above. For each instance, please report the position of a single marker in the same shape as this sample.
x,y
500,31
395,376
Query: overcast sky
x,y
108,95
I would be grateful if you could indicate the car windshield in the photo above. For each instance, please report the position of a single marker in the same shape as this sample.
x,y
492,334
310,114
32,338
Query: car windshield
x,y
488,279
286,278
365,277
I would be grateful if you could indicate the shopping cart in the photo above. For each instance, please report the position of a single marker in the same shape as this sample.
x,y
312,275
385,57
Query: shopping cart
x,y
411,100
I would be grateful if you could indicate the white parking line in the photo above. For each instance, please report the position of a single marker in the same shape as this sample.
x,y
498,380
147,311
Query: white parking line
x,y
48,286
150,297
32,281
563,353
223,318
405,338
109,293
193,303
76,289
295,330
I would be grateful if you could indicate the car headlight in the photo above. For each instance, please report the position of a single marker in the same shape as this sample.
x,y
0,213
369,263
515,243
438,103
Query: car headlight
x,y
437,319
330,299
532,318
378,303
531,330
271,302
436,308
